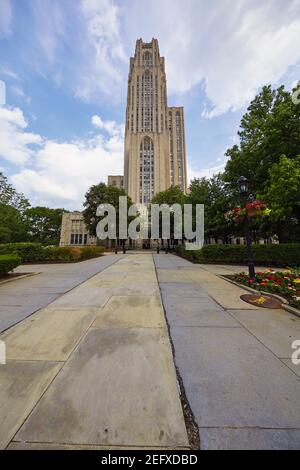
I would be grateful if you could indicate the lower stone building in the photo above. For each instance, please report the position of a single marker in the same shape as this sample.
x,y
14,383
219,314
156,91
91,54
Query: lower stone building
x,y
74,231
116,180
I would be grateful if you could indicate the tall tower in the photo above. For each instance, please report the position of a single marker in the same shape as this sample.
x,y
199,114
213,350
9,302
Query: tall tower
x,y
148,166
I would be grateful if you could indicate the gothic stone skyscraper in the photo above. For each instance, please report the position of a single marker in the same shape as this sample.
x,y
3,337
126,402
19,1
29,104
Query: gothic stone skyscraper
x,y
154,134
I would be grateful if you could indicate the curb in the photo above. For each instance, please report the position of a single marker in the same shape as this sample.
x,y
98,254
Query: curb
x,y
284,302
18,277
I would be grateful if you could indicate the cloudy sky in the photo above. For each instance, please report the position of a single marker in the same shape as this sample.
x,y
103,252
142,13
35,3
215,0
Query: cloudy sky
x,y
65,66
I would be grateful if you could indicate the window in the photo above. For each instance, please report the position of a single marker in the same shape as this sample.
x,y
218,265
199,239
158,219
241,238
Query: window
x,y
78,239
147,170
179,148
147,101
147,59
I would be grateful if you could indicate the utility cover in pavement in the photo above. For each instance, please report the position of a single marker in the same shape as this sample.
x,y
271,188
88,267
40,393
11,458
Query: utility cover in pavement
x,y
261,300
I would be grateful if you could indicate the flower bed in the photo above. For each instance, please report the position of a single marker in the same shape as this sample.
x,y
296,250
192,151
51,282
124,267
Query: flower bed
x,y
284,283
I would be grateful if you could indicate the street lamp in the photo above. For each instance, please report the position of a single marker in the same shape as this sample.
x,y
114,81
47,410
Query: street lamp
x,y
243,186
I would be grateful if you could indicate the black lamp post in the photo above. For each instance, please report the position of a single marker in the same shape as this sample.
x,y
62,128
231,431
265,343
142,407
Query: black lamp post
x,y
244,193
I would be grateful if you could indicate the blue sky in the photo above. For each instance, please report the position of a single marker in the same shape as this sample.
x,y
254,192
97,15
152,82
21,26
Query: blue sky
x,y
65,66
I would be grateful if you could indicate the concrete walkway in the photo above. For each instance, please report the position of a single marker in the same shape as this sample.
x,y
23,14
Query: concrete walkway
x,y
234,359
22,297
94,368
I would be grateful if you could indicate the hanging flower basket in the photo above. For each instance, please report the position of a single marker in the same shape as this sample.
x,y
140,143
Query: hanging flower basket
x,y
255,208
252,209
237,214
253,212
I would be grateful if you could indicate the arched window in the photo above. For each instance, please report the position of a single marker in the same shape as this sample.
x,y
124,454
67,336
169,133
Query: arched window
x,y
146,170
147,59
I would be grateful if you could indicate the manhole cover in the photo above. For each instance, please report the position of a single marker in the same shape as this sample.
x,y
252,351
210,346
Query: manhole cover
x,y
261,301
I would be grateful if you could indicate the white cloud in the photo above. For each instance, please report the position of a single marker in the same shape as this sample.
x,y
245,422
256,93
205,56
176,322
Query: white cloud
x,y
58,173
112,127
233,48
204,172
50,27
102,51
6,16
15,143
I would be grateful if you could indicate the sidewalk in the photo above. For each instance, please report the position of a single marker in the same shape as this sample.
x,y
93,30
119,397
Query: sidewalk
x,y
94,368
234,359
22,297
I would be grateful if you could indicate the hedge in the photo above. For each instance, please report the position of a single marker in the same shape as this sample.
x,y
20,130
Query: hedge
x,y
8,263
27,251
283,254
35,252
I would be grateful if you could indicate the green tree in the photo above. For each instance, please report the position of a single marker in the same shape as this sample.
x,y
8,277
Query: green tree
x,y
12,227
270,128
43,224
9,196
102,194
170,196
217,198
283,198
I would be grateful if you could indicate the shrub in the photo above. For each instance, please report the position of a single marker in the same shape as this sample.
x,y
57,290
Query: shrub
x,y
35,252
76,253
8,263
283,254
27,251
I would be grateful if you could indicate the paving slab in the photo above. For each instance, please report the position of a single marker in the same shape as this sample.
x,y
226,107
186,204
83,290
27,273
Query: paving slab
x,y
25,296
21,385
129,371
228,298
178,289
130,312
249,439
294,367
25,299
170,261
232,380
90,297
148,276
12,315
276,329
136,288
189,311
47,335
44,446
168,275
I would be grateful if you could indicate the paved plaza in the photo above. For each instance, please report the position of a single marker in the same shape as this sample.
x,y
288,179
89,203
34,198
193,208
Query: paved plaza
x,y
93,348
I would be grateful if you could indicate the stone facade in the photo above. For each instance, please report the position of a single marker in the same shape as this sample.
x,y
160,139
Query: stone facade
x,y
178,176
151,128
74,231
154,148
116,180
